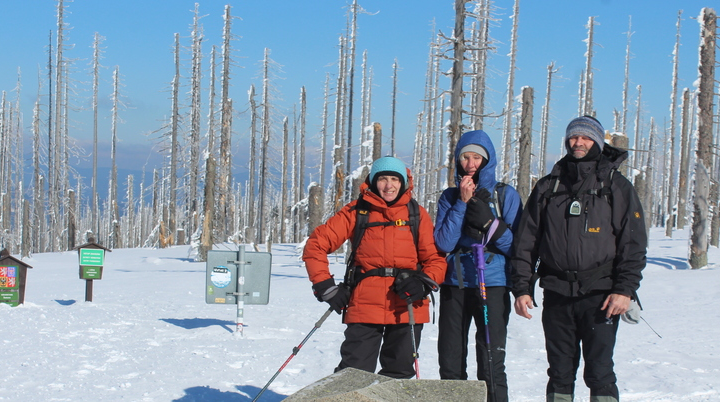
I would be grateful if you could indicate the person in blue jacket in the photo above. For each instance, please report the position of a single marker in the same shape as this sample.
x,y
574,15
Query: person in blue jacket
x,y
464,217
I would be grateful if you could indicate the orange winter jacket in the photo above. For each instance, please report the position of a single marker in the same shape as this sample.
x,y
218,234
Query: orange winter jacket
x,y
373,301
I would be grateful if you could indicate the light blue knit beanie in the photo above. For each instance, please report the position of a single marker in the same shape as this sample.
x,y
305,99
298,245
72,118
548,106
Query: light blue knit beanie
x,y
388,165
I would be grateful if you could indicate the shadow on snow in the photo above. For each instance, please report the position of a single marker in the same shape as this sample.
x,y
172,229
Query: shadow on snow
x,y
193,323
673,263
247,393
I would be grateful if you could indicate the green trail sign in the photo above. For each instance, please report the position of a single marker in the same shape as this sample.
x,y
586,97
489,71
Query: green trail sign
x,y
92,257
90,272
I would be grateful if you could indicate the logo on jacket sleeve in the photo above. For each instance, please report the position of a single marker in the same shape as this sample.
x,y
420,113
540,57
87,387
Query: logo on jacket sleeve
x,y
594,230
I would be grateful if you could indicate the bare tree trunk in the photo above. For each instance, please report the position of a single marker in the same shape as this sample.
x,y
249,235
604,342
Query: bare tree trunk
x,y
225,169
250,189
262,178
456,98
113,201
26,242
524,162
507,146
638,105
545,123
301,167
393,108
351,84
339,117
701,225
195,117
130,214
626,82
206,237
588,108
648,206
323,131
96,84
315,207
684,161
673,124
283,181
37,214
71,223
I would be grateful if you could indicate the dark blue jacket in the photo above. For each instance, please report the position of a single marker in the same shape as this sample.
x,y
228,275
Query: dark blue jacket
x,y
449,236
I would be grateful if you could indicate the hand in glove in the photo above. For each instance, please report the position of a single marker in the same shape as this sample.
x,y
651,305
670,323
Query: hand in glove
x,y
337,296
478,214
413,286
479,217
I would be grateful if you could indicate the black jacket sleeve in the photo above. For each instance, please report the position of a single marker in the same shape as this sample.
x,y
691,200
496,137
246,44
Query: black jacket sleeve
x,y
630,237
526,242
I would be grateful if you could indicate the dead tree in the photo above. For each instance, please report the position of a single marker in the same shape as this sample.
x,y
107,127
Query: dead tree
x,y
684,161
225,169
507,138
587,99
191,196
455,126
545,123
626,81
206,236
673,124
703,165
525,151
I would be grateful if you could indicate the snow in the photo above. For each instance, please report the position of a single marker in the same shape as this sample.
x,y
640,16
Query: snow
x,y
149,336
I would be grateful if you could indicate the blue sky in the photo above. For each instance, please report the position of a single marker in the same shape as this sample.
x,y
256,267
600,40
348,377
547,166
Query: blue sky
x,y
302,37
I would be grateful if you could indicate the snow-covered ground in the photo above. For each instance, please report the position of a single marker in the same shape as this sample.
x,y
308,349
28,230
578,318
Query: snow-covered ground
x,y
148,335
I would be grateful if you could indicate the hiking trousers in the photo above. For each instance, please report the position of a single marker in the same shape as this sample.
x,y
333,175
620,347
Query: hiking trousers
x,y
570,322
364,343
458,308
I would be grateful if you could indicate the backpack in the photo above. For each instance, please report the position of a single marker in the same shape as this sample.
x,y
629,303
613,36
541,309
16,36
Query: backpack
x,y
362,209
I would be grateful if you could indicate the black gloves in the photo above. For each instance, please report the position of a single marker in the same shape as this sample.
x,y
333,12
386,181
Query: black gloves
x,y
413,285
479,217
337,296
478,213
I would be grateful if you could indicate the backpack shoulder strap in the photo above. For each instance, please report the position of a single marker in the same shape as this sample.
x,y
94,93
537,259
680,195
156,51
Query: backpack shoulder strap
x,y
500,198
362,210
414,219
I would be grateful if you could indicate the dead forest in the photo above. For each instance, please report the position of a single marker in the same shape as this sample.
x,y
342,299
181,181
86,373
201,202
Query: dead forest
x,y
195,198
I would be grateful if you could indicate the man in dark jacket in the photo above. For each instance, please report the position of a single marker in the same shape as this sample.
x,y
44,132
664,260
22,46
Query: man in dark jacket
x,y
584,224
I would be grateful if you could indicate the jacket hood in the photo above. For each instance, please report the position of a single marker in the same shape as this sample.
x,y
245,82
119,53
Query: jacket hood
x,y
486,178
610,158
376,200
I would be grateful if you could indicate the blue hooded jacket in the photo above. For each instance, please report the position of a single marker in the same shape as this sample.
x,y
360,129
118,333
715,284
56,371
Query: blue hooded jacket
x,y
449,236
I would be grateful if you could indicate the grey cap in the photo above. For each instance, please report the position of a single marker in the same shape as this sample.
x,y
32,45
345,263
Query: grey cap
x,y
588,127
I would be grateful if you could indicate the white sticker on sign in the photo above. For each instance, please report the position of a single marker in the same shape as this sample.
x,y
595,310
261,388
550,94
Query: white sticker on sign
x,y
220,276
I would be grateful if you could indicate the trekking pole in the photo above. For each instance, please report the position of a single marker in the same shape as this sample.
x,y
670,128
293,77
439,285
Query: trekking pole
x,y
411,313
479,255
295,351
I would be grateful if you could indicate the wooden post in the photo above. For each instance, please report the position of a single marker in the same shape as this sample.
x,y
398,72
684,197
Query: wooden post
x,y
88,290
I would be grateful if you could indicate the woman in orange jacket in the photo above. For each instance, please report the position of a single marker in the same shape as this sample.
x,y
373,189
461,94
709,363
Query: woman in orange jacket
x,y
391,272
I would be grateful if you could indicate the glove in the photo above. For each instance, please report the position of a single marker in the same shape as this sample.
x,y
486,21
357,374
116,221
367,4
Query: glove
x,y
478,214
479,234
337,296
632,316
413,286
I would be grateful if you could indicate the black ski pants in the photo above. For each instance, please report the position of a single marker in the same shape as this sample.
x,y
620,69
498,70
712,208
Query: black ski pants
x,y
569,322
392,343
458,308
